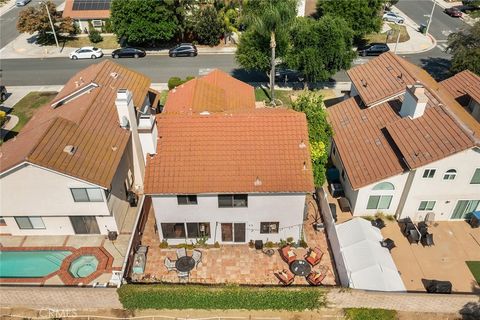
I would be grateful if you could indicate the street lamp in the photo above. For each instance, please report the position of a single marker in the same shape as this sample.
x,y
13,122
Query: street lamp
x,y
51,22
431,17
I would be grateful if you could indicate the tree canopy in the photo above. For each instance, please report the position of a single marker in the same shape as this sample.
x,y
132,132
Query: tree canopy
x,y
144,22
209,26
320,48
465,48
363,16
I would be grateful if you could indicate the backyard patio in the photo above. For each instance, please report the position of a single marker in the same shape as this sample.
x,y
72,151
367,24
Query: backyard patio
x,y
233,264
455,242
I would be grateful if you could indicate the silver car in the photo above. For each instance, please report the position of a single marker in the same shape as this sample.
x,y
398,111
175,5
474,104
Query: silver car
x,y
393,17
21,3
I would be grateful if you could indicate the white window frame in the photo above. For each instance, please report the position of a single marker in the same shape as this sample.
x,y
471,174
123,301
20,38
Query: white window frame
x,y
272,227
450,174
426,173
34,225
426,207
88,196
474,172
379,201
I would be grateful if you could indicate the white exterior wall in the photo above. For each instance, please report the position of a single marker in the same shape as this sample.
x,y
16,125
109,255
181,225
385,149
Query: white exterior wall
x,y
287,209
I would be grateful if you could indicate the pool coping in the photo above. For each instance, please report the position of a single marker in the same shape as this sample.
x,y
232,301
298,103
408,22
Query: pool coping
x,y
105,261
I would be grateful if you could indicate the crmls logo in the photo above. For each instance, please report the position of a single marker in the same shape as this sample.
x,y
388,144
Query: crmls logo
x,y
57,313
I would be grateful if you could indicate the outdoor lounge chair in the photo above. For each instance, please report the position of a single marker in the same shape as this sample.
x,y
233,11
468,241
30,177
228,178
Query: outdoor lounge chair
x,y
169,264
287,254
181,252
314,256
285,276
427,240
315,278
413,236
197,256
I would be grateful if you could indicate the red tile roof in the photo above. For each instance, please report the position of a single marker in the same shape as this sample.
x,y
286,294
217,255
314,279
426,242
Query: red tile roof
x,y
463,83
83,14
263,150
89,122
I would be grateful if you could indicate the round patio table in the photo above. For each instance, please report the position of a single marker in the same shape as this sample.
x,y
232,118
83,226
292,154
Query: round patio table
x,y
300,268
185,264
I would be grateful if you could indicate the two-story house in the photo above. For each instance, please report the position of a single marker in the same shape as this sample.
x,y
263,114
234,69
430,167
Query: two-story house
x,y
226,171
404,146
78,164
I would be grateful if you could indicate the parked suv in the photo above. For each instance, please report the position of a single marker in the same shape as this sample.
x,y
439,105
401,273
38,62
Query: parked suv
x,y
393,17
373,49
183,49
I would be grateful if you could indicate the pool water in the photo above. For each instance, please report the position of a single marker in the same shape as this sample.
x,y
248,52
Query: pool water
x,y
83,266
30,264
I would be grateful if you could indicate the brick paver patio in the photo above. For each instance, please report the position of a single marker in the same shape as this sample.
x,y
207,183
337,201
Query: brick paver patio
x,y
237,264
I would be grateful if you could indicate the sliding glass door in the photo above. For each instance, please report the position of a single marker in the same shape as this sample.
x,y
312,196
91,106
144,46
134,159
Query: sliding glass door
x,y
464,209
233,232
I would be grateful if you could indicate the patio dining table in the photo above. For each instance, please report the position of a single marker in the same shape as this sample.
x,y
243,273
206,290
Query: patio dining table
x,y
185,264
300,268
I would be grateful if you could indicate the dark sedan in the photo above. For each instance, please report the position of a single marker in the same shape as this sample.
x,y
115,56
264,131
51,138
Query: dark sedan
x,y
453,12
128,53
183,50
373,49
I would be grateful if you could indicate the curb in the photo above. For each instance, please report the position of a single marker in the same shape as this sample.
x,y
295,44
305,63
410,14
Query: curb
x,y
434,44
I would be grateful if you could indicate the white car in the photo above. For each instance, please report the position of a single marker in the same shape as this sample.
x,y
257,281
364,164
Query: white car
x,y
21,3
86,53
393,17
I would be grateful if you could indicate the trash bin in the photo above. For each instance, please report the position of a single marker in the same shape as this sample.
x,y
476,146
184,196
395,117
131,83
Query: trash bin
x,y
423,28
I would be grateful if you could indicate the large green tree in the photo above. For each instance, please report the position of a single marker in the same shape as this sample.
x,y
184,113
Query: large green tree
x,y
144,22
320,48
465,48
209,26
363,16
266,19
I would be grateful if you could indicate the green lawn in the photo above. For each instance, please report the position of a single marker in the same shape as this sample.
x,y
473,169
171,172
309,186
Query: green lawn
x,y
370,314
382,37
25,108
219,297
109,42
263,94
474,267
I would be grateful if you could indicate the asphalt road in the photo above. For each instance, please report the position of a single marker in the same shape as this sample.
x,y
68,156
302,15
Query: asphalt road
x,y
8,23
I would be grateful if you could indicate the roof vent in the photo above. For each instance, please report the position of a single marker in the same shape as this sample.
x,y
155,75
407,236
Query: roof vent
x,y
364,83
204,113
304,166
114,75
114,148
77,84
70,150
302,145
81,81
257,182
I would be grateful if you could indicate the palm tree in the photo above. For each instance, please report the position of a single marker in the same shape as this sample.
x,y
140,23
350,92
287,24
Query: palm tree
x,y
268,18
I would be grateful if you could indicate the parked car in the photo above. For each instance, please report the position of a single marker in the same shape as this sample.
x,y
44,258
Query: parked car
x,y
183,49
373,49
3,93
284,74
128,52
393,17
453,12
86,53
21,3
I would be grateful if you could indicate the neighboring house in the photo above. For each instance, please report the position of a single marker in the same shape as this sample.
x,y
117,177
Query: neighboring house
x,y
225,171
465,88
84,11
404,146
76,166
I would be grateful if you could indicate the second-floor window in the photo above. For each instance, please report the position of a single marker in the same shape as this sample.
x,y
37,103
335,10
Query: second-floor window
x,y
232,200
429,173
186,199
450,174
87,194
476,177
269,227
426,205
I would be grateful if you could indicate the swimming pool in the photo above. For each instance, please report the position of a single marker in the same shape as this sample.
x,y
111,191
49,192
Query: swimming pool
x,y
30,264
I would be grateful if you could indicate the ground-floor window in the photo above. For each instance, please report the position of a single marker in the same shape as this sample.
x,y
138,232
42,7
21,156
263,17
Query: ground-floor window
x,y
173,230
84,225
464,209
426,205
193,230
379,202
269,227
26,223
198,230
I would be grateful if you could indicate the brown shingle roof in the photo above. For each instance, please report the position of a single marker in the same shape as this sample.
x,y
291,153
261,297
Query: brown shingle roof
x,y
89,122
227,153
84,14
215,92
463,83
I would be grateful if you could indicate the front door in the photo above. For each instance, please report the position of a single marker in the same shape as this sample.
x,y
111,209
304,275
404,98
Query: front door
x,y
233,232
464,209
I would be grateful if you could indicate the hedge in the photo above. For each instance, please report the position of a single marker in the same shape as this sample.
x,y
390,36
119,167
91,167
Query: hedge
x,y
370,314
219,297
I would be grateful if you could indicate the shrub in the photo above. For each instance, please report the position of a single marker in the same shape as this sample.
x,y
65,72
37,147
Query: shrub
x,y
174,82
302,243
3,118
251,244
216,244
370,314
108,26
269,244
163,244
95,36
220,297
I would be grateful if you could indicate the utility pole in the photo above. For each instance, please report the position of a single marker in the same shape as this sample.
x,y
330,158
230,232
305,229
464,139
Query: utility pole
x,y
51,23
431,17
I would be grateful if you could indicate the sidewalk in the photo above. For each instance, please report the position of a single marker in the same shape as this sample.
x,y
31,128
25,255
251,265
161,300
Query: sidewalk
x,y
418,42
6,7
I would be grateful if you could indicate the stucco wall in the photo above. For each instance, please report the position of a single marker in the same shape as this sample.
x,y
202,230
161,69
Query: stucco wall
x,y
287,209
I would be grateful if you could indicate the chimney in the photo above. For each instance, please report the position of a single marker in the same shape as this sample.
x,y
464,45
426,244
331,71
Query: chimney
x,y
148,133
414,101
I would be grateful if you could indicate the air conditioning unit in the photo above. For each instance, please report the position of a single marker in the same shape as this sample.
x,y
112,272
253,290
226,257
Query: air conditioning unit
x,y
112,235
97,23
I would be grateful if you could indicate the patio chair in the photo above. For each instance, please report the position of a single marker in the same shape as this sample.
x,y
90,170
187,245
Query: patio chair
x,y
197,256
285,276
413,236
169,264
315,278
287,254
181,252
183,275
314,256
427,240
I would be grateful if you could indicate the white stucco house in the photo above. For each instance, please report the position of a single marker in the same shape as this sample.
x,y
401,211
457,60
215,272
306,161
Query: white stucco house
x,y
404,146
75,165
226,171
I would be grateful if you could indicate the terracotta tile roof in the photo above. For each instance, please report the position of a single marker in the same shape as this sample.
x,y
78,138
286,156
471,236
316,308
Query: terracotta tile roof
x,y
84,14
89,122
215,92
227,153
463,83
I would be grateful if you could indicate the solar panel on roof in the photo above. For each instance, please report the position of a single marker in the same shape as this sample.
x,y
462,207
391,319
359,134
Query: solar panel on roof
x,y
80,5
